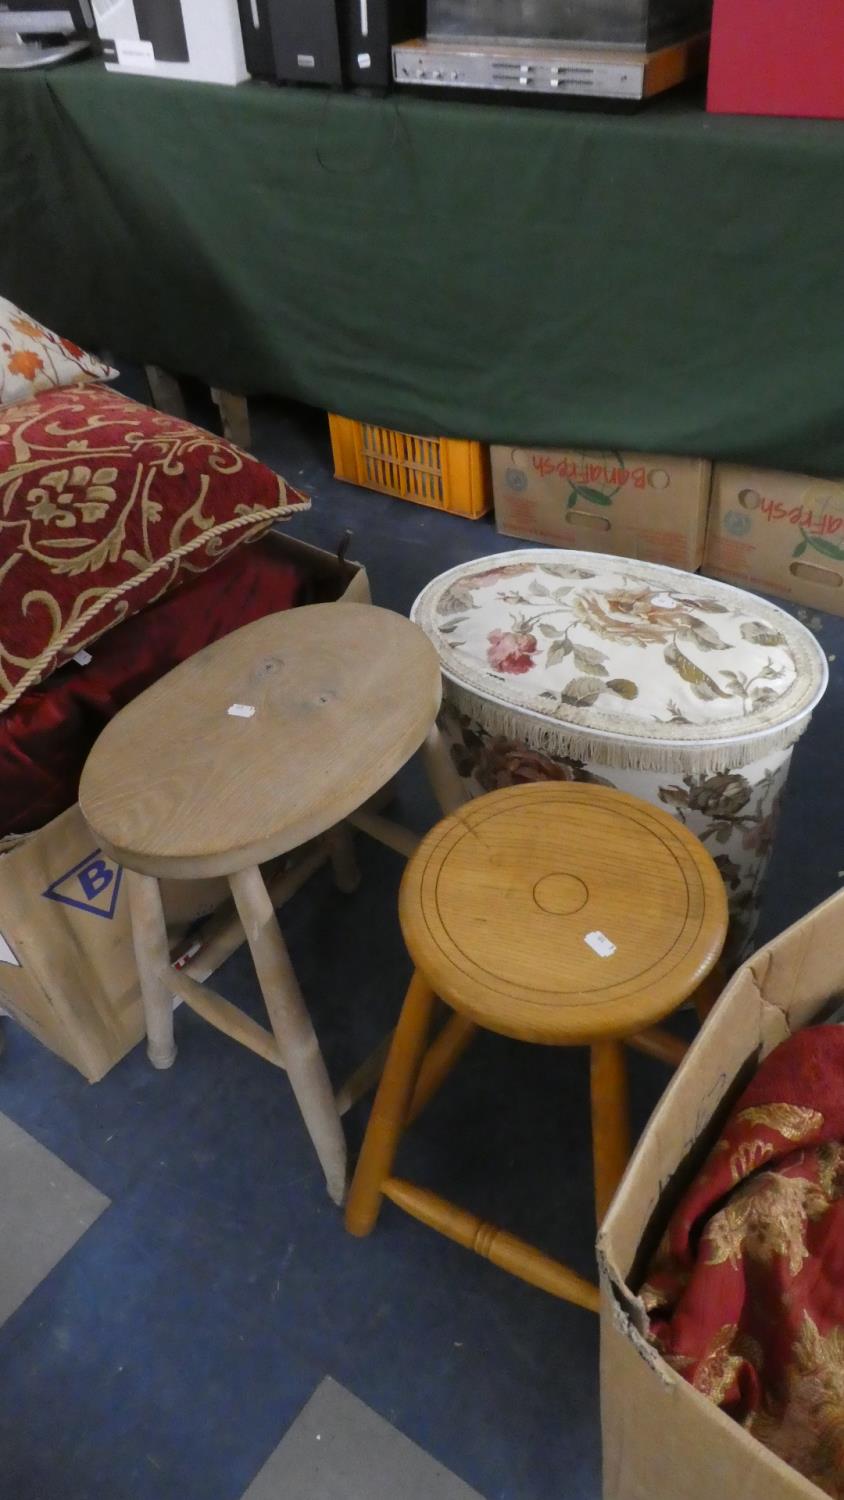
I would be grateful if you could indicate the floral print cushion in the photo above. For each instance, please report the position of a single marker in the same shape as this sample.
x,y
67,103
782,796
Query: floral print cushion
x,y
621,649
106,505
733,812
32,359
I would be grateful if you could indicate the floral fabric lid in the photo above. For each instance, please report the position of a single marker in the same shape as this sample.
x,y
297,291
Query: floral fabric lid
x,y
601,651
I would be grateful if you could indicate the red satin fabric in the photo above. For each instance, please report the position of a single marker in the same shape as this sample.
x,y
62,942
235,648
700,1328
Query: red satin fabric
x,y
746,1293
46,736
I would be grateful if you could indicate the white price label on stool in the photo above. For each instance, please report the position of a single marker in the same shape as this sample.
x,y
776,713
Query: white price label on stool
x,y
600,944
83,658
241,710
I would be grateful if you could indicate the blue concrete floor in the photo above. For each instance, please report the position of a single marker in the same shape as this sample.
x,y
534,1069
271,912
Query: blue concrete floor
x,y
170,1350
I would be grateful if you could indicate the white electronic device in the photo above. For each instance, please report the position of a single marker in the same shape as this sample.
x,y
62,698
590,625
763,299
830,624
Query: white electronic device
x,y
191,39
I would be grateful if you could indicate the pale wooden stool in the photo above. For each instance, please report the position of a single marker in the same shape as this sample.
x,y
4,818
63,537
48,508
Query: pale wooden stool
x,y
561,913
257,745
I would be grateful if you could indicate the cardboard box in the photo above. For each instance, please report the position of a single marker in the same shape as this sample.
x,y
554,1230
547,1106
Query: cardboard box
x,y
781,533
663,1440
641,505
67,969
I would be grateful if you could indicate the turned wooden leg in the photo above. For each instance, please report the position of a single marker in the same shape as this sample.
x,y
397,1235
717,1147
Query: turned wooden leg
x,y
341,849
656,1042
389,1111
442,1055
494,1244
707,994
365,1078
385,831
447,786
610,1121
292,1026
152,956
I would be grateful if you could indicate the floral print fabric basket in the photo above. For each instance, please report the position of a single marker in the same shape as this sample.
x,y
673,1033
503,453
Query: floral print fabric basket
x,y
574,666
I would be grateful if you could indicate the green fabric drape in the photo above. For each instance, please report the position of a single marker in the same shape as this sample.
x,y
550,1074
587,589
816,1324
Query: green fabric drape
x,y
661,281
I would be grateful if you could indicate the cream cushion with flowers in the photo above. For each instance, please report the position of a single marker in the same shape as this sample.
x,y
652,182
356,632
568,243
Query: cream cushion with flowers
x,y
34,359
638,662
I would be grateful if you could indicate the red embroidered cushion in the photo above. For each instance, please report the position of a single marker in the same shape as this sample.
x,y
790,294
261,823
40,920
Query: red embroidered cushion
x,y
106,505
46,737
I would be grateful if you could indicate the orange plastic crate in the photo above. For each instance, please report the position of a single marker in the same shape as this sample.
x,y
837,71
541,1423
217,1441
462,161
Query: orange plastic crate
x,y
446,473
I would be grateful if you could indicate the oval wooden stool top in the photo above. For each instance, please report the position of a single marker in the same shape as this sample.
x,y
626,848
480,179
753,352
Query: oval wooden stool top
x,y
563,912
343,695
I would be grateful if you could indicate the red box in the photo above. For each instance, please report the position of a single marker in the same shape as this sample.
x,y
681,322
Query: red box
x,y
777,57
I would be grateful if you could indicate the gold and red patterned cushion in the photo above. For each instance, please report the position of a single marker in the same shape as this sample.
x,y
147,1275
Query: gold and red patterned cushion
x,y
33,359
106,505
744,1293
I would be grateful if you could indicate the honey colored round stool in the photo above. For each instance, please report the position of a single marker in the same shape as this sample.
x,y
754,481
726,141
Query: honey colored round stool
x,y
559,912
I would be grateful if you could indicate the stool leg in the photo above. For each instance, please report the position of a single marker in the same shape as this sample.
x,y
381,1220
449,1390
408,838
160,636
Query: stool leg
x,y
447,786
707,994
152,956
610,1121
493,1244
390,1109
442,1055
341,850
656,1042
292,1026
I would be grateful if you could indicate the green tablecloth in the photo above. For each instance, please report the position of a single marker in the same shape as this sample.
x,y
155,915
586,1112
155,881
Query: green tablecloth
x,y
658,281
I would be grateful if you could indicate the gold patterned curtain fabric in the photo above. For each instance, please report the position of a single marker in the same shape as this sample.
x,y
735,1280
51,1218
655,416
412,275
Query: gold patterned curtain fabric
x,y
746,1292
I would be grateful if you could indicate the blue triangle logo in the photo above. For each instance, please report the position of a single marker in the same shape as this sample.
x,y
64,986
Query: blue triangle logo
x,y
92,885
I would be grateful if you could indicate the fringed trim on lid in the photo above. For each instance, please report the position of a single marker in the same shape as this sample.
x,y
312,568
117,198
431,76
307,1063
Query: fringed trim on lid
x,y
699,758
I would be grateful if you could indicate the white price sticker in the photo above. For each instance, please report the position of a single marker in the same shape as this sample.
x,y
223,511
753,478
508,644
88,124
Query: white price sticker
x,y
135,54
241,710
600,944
83,658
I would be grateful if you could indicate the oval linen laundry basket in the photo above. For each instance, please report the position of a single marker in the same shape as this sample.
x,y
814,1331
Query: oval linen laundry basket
x,y
575,666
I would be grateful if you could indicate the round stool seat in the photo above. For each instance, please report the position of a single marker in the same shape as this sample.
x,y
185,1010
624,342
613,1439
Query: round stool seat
x,y
563,912
262,741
